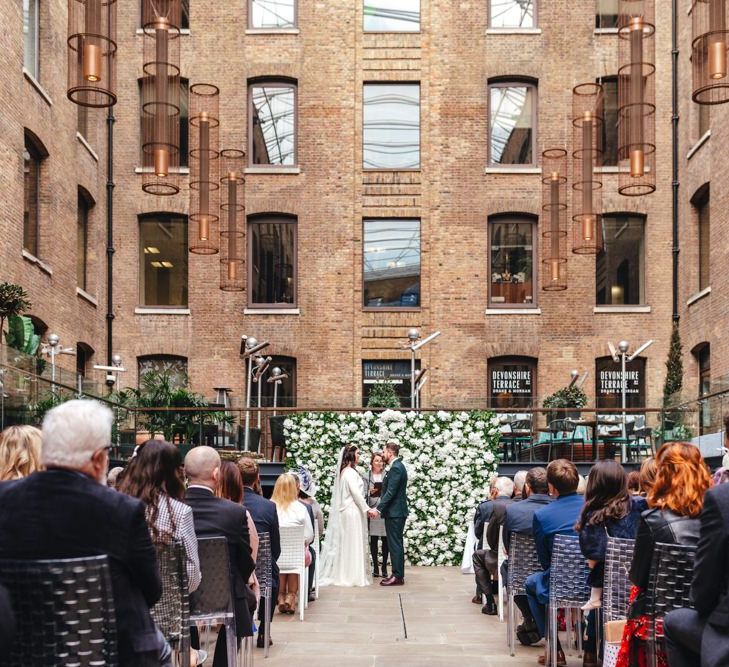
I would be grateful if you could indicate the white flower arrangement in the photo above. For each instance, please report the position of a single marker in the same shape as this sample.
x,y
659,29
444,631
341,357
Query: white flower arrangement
x,y
451,458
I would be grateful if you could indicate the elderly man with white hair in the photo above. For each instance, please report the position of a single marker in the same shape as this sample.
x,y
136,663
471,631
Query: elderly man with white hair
x,y
66,511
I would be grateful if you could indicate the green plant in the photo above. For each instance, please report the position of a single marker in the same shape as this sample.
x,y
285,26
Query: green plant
x,y
21,335
49,401
567,397
13,301
383,395
674,367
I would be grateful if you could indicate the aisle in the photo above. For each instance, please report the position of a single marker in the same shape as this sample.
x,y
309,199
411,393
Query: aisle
x,y
364,628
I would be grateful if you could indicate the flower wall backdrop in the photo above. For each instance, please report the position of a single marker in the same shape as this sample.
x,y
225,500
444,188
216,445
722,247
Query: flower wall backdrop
x,y
451,458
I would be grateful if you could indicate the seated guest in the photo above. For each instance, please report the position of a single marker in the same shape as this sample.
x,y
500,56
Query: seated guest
x,y
647,476
231,488
557,518
634,483
675,501
486,560
114,477
304,481
20,452
701,635
217,517
480,520
608,512
264,515
290,513
66,511
519,484
519,519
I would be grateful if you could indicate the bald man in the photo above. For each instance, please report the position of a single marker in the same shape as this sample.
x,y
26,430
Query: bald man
x,y
217,517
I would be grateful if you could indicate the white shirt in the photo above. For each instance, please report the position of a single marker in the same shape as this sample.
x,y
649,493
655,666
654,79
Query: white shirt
x,y
296,515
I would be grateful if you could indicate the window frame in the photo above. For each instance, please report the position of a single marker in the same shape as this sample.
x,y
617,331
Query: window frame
x,y
164,357
281,82
280,360
492,363
250,26
701,202
37,154
598,25
518,218
608,363
35,71
612,78
512,82
85,203
264,218
396,309
394,32
535,4
642,288
161,216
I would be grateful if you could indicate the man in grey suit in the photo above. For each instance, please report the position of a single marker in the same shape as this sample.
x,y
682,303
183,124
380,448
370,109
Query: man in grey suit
x,y
393,507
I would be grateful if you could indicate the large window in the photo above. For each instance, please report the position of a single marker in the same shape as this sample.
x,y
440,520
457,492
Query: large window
x,y
512,117
511,244
608,383
512,382
391,15
273,123
30,33
171,365
272,261
703,216
286,392
606,14
391,126
33,155
512,14
391,263
398,372
163,260
184,113
620,266
272,14
609,138
85,204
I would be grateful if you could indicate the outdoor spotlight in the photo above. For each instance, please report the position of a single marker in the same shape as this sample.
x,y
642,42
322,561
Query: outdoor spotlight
x,y
116,360
276,371
53,340
413,334
574,373
251,342
259,361
623,346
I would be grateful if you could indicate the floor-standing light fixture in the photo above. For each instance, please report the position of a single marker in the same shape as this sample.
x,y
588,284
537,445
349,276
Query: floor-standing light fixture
x,y
623,356
636,98
261,366
204,168
554,214
161,97
112,378
249,346
414,345
710,32
276,378
53,348
232,194
587,122
92,52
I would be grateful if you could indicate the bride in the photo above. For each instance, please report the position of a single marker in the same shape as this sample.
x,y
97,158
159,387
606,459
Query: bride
x,y
344,559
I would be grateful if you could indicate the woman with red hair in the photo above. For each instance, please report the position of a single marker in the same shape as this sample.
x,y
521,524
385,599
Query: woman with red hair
x,y
674,504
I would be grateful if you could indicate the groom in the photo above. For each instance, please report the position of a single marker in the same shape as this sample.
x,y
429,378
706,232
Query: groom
x,y
393,507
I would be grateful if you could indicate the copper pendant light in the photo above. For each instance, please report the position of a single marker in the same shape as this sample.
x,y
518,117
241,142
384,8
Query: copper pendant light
x,y
204,168
709,51
92,52
232,219
554,220
586,156
161,97
636,98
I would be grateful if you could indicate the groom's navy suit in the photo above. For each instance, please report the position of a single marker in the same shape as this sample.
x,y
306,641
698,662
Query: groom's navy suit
x,y
393,507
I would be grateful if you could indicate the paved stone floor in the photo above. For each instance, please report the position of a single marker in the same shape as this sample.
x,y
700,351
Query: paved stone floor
x,y
363,627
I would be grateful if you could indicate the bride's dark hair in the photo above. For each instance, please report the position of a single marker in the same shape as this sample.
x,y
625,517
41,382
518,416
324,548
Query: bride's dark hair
x,y
348,458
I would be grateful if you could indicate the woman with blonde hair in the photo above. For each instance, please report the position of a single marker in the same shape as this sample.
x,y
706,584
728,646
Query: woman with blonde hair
x,y
20,452
290,513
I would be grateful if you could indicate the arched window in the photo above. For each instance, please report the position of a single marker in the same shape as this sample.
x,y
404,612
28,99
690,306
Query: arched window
x,y
608,383
33,155
512,382
272,125
512,122
620,265
84,352
272,261
170,364
512,244
702,209
163,259
85,204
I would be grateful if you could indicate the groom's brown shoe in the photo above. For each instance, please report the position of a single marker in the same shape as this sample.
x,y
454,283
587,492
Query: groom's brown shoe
x,y
392,581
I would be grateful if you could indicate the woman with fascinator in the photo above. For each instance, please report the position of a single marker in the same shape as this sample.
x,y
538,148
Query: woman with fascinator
x,y
344,560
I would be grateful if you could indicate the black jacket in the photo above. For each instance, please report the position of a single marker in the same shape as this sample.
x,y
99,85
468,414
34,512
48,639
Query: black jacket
x,y
662,526
64,514
217,517
264,515
482,517
520,516
498,517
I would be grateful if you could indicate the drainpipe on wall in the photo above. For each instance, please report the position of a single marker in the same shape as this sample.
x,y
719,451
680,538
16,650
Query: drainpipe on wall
x,y
110,233
674,123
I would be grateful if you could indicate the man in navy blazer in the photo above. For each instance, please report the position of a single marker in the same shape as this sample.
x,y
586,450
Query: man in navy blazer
x,y
557,518
264,515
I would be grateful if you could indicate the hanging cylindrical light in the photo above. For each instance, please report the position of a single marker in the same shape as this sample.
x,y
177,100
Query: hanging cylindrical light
x,y
92,52
554,220
586,153
232,219
709,52
636,98
161,97
204,168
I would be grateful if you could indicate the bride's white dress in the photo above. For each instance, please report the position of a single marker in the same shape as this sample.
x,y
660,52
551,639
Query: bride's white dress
x,y
344,555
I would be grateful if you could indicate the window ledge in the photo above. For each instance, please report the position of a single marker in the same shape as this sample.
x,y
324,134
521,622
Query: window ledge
x,y
86,145
273,170
272,31
606,31
162,310
704,138
149,170
513,311
513,31
36,84
87,297
512,170
30,257
621,309
183,31
608,169
272,311
699,295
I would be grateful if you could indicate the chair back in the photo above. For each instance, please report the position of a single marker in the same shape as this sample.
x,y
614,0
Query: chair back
x,y
172,611
214,597
669,583
264,562
64,611
557,426
568,573
521,425
292,549
523,561
618,558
